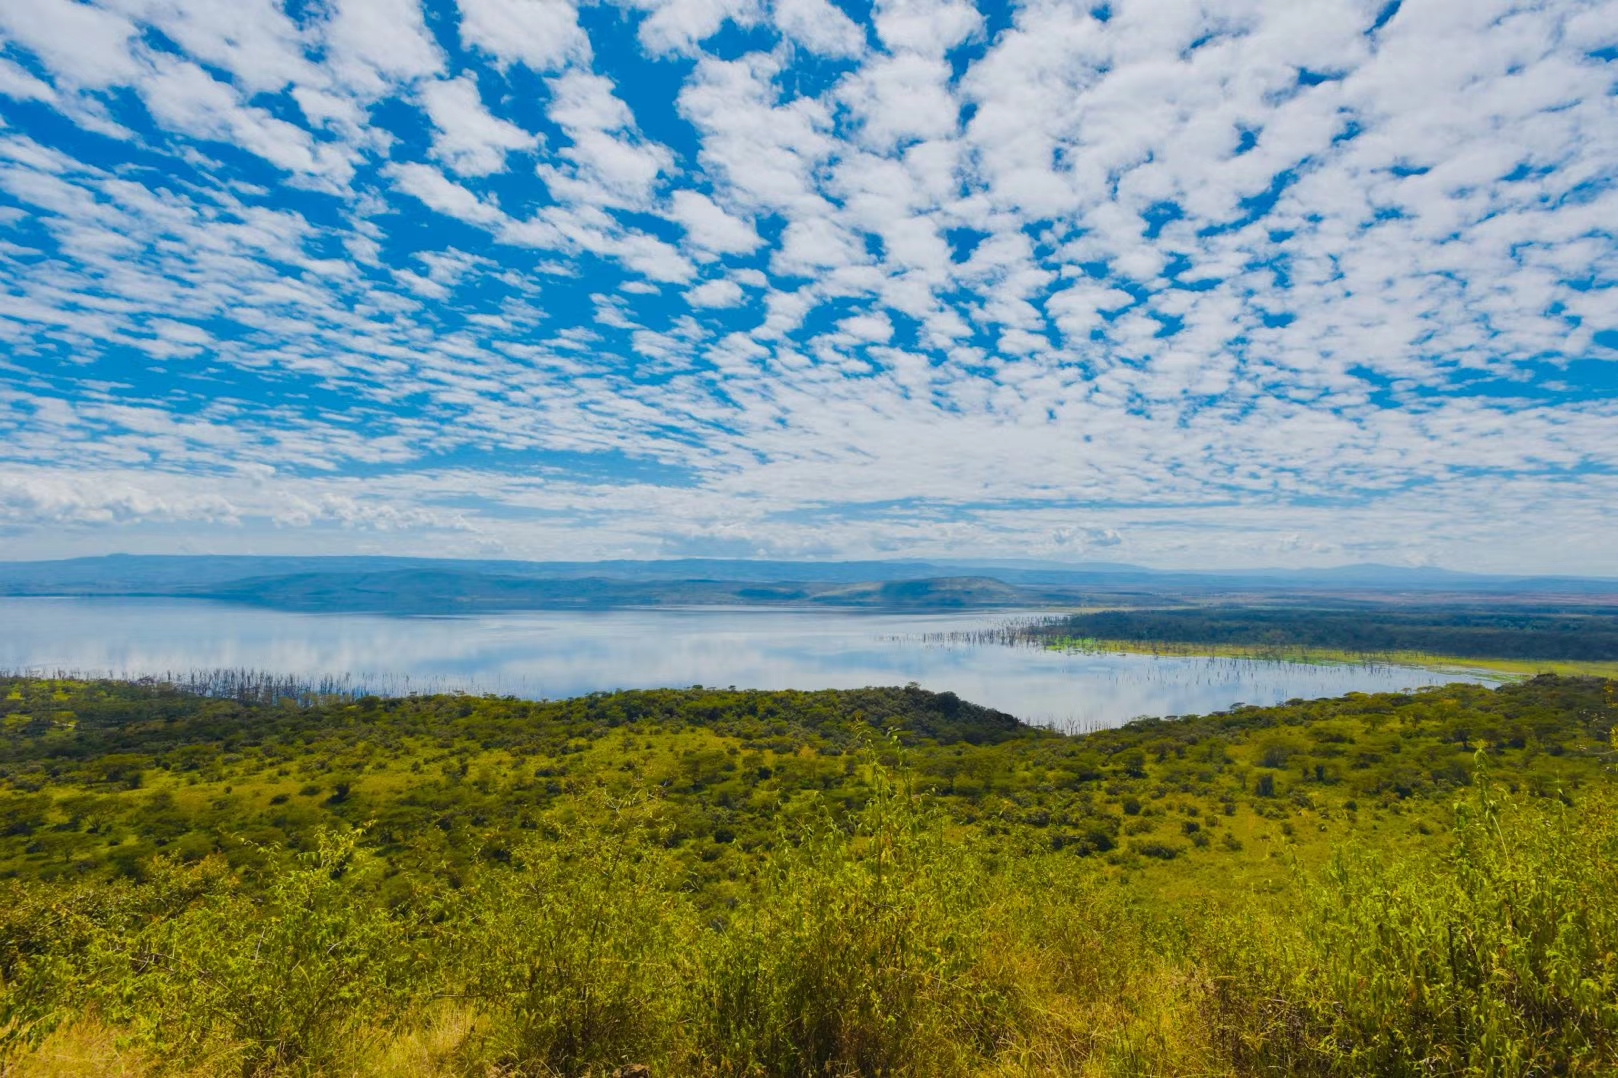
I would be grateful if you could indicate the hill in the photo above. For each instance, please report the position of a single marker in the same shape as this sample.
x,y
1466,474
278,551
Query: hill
x,y
879,881
448,586
437,591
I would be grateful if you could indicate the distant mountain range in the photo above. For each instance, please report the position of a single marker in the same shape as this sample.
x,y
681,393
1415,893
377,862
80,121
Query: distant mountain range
x,y
427,585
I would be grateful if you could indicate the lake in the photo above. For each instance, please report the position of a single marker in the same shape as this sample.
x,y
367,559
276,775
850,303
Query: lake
x,y
551,654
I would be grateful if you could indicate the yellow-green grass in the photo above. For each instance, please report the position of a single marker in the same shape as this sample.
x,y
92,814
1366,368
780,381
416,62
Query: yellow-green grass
x,y
1508,669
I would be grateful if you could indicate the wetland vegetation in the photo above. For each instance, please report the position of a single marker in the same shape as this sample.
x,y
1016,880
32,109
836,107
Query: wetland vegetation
x,y
1579,639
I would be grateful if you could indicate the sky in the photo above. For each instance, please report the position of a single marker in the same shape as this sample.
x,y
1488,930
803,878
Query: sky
x,y
1190,285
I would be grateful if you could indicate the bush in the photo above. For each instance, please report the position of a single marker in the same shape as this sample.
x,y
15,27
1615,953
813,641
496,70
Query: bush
x,y
1501,959
277,979
578,951
867,953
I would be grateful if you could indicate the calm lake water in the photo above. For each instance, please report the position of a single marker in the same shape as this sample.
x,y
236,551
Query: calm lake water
x,y
555,654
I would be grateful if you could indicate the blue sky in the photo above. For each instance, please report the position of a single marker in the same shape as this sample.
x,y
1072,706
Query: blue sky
x,y
1184,284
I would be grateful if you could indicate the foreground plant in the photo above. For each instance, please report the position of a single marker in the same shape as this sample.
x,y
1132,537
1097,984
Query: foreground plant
x,y
1500,958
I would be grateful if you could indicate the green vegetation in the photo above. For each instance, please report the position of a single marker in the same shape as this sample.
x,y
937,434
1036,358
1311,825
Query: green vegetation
x,y
877,882
1503,669
1576,636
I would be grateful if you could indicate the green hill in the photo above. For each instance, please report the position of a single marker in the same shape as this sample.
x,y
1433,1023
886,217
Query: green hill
x,y
881,881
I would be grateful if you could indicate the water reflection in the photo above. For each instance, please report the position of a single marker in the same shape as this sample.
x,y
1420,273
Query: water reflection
x,y
565,653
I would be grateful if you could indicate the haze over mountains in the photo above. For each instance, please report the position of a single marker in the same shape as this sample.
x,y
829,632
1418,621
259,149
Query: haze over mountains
x,y
431,586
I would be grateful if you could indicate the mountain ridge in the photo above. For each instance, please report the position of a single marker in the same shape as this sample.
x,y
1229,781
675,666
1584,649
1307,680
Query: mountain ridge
x,y
364,583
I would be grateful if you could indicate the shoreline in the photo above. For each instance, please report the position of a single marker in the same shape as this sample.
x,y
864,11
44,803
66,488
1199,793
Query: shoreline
x,y
1507,669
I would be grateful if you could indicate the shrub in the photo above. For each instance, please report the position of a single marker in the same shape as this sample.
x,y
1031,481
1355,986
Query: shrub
x,y
576,949
867,953
277,978
1500,959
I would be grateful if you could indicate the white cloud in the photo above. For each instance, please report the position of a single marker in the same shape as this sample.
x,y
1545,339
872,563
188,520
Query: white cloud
x,y
19,85
377,44
812,244
901,98
820,26
875,327
676,26
926,26
708,226
1078,309
719,293
254,40
766,151
433,190
185,98
83,44
1151,267
467,138
611,164
651,256
541,34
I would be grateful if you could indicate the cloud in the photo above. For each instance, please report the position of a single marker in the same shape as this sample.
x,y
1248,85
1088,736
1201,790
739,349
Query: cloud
x,y
186,99
261,47
468,139
85,45
378,44
541,34
708,226
19,85
436,192
1195,285
611,164
677,26
819,26
875,327
926,26
900,98
766,150
715,294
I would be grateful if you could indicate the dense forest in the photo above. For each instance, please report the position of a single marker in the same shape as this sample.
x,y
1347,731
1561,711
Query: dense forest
x,y
253,878
1370,629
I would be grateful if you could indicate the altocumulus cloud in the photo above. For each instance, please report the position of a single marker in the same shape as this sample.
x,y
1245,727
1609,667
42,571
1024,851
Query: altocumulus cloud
x,y
1187,284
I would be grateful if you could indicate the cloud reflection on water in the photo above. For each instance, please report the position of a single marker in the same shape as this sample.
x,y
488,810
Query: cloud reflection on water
x,y
566,653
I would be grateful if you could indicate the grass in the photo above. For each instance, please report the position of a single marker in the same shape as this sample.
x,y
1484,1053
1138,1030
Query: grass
x,y
1509,669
